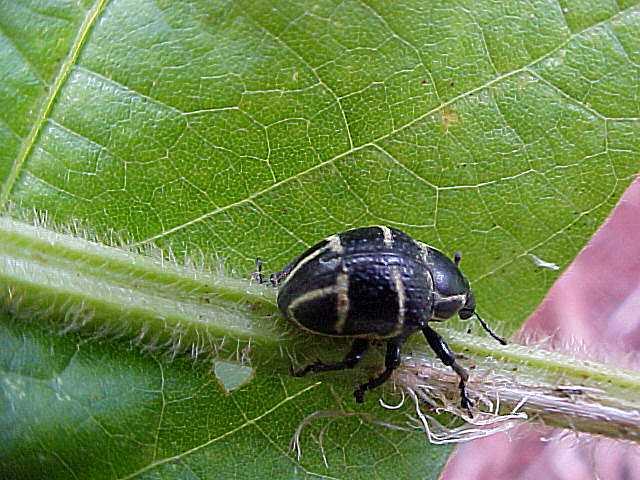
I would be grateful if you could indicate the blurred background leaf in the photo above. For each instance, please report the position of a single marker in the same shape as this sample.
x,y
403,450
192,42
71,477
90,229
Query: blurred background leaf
x,y
246,129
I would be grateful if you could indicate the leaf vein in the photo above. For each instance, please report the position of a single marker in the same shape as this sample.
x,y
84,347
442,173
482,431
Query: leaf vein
x,y
63,74
248,422
316,75
22,55
373,143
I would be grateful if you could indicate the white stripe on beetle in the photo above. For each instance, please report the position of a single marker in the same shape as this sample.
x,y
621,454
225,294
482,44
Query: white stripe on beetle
x,y
394,270
335,245
342,300
387,236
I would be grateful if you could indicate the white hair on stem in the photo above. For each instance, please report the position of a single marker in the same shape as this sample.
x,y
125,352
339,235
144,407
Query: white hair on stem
x,y
68,280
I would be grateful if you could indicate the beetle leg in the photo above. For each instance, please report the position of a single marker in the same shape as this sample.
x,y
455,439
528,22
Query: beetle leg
x,y
391,362
274,278
352,358
257,275
444,353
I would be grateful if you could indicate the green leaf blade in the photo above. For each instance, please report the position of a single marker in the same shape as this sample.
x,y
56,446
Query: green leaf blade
x,y
244,131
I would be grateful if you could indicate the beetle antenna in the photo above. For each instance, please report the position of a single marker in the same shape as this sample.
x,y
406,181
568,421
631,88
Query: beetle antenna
x,y
489,331
457,256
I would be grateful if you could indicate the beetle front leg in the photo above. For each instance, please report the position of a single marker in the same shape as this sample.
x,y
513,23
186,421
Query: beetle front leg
x,y
391,362
444,353
358,348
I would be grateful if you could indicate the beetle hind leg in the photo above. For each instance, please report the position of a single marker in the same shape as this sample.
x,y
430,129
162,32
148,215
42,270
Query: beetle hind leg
x,y
391,362
274,279
257,273
446,355
358,348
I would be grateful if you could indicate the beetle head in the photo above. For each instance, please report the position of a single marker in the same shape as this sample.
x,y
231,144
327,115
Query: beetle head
x,y
451,288
453,293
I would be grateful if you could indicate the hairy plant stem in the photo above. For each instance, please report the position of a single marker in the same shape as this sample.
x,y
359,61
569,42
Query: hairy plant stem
x,y
72,284
550,387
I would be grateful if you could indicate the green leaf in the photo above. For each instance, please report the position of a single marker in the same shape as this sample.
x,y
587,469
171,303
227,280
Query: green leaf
x,y
246,129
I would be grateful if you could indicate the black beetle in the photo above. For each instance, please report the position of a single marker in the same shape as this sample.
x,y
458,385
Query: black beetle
x,y
375,283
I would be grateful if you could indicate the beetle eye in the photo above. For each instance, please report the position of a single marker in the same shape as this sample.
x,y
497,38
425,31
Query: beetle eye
x,y
465,313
